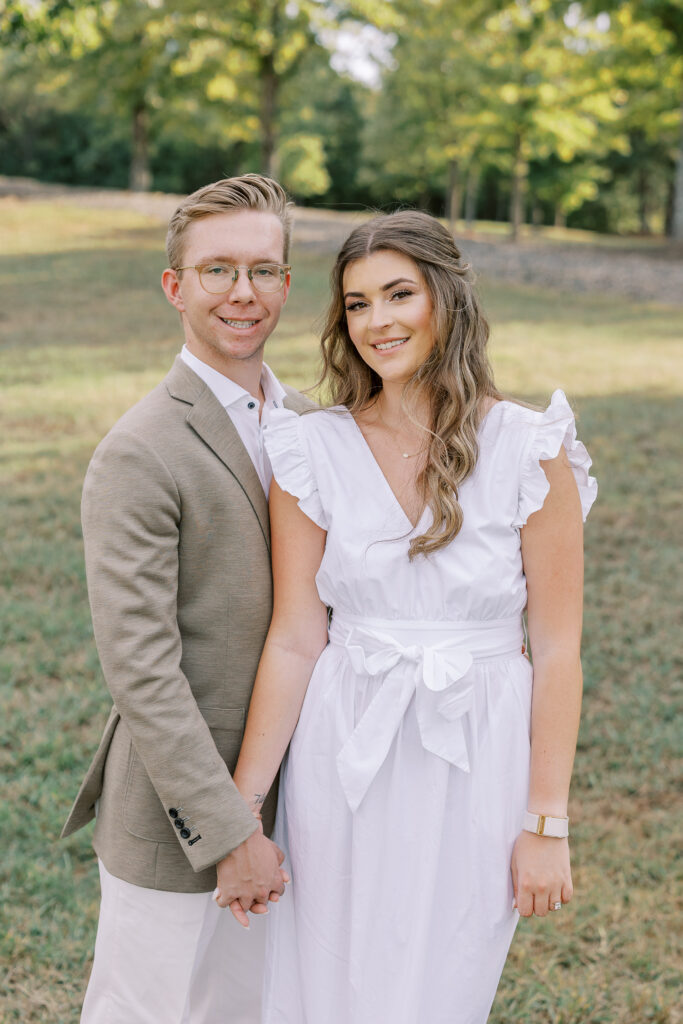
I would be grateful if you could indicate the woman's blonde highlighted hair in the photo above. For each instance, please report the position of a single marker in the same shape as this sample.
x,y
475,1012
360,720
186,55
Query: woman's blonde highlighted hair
x,y
455,378
248,192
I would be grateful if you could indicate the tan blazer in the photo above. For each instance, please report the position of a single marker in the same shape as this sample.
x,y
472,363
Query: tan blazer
x,y
175,525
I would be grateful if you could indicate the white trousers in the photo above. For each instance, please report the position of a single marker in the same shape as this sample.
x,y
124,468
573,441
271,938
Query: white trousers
x,y
172,958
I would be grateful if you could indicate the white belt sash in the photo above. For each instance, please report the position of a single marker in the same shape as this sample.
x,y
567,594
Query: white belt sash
x,y
431,661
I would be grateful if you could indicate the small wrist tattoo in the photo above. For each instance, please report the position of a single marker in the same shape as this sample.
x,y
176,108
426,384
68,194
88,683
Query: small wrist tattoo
x,y
257,802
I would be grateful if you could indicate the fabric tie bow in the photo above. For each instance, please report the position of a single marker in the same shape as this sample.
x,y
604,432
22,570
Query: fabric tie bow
x,y
444,693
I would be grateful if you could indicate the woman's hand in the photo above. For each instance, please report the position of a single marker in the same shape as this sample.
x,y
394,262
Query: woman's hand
x,y
541,874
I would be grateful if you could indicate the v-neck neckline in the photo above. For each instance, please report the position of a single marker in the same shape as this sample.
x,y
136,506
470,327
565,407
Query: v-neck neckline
x,y
380,472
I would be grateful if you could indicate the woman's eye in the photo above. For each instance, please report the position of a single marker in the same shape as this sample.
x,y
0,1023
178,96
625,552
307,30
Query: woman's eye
x,y
402,293
354,307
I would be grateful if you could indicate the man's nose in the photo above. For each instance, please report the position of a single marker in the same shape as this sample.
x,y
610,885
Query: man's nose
x,y
243,289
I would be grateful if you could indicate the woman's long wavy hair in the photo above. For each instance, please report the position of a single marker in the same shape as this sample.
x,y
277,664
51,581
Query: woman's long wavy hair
x,y
456,376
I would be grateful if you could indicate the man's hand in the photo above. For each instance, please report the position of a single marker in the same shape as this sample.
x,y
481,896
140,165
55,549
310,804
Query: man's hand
x,y
249,876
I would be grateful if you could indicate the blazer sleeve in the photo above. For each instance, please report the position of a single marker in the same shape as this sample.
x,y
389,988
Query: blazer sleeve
x,y
131,517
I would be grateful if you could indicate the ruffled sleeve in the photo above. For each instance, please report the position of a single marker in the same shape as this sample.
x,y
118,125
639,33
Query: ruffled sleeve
x,y
291,464
550,431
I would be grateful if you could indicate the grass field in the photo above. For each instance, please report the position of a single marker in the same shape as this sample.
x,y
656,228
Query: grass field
x,y
85,332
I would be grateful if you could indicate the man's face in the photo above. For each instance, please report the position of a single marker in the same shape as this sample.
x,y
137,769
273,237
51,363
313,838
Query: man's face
x,y
232,326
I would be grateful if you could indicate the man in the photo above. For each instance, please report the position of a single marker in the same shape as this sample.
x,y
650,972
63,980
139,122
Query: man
x,y
175,525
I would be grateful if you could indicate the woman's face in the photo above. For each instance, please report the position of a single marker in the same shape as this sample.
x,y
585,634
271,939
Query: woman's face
x,y
389,314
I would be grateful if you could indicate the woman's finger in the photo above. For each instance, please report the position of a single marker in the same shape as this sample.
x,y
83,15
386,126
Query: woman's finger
x,y
239,914
258,908
541,903
554,901
525,902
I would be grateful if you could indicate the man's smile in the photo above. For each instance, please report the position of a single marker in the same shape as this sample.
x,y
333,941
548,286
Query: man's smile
x,y
239,324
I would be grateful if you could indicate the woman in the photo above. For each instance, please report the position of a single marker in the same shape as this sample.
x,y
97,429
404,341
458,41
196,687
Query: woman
x,y
426,513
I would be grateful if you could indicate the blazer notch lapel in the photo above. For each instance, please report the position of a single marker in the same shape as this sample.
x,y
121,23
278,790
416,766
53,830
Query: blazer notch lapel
x,y
210,421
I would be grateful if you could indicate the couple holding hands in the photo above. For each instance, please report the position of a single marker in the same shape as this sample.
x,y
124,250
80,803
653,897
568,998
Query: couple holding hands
x,y
363,568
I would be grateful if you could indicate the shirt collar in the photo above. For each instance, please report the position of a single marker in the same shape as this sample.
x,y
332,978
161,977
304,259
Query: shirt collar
x,y
227,391
273,390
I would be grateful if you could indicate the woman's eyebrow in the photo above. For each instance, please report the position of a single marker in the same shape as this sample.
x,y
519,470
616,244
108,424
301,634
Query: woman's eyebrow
x,y
384,288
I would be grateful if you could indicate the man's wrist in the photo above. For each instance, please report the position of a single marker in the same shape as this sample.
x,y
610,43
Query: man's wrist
x,y
241,842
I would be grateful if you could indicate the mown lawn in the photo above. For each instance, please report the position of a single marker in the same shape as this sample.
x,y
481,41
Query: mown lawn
x,y
85,331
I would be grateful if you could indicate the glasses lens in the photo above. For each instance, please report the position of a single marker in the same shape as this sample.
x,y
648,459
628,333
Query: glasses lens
x,y
217,277
267,277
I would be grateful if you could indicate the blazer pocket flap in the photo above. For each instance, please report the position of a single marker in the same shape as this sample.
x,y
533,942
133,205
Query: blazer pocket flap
x,y
143,814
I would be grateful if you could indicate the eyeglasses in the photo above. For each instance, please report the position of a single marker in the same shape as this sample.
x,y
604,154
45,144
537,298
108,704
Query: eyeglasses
x,y
220,277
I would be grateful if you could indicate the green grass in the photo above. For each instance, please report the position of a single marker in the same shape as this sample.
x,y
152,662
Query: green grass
x,y
85,332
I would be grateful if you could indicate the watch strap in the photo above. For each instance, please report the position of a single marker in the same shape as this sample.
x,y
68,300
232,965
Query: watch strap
x,y
545,825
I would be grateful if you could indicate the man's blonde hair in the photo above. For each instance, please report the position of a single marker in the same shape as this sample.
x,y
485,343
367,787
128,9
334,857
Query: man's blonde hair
x,y
247,192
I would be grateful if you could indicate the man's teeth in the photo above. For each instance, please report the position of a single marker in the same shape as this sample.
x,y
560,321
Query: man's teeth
x,y
390,344
239,323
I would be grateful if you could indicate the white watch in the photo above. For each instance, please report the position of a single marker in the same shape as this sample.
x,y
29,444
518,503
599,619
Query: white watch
x,y
544,825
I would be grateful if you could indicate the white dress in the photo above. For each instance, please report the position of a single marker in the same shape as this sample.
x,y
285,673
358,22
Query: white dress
x,y
407,776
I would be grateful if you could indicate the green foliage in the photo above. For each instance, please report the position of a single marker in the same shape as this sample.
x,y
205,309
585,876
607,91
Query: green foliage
x,y
302,165
498,106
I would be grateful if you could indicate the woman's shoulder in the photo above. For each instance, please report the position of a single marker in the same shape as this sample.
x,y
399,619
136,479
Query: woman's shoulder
x,y
509,413
542,435
312,432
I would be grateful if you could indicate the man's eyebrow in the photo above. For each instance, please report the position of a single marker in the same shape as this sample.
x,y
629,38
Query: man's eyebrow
x,y
384,288
231,260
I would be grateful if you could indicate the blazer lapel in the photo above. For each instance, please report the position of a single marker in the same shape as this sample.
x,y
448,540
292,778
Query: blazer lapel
x,y
210,421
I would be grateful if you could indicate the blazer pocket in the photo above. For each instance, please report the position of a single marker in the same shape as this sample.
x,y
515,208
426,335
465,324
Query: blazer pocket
x,y
144,815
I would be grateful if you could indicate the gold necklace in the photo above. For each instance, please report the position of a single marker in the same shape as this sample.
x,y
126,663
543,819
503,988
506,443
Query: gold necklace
x,y
405,455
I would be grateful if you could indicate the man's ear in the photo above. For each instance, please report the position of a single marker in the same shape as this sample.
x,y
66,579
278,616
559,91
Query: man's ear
x,y
171,285
286,286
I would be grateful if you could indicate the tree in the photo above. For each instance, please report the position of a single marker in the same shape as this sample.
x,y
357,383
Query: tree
x,y
493,84
647,55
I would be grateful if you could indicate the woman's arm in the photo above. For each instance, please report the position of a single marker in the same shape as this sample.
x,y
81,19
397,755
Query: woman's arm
x,y
552,555
296,638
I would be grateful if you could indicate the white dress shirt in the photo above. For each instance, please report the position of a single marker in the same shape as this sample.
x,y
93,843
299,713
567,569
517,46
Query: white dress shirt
x,y
243,408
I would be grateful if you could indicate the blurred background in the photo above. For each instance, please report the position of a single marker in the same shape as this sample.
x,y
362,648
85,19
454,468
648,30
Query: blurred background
x,y
533,111
548,135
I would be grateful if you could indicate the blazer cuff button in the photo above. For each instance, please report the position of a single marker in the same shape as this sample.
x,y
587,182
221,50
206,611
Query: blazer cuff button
x,y
185,833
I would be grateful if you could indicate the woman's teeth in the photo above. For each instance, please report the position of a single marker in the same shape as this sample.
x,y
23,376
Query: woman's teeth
x,y
239,324
390,344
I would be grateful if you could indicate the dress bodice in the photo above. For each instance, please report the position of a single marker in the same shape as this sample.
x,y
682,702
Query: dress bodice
x,y
323,459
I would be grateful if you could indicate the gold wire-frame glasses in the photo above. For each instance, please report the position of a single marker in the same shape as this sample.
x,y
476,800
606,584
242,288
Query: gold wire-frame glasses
x,y
216,278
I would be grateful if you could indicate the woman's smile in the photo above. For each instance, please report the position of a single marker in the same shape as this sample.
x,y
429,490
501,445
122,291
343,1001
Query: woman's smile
x,y
389,314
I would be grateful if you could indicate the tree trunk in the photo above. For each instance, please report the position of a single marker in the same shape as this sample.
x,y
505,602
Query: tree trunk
x,y
270,87
518,187
454,197
269,91
643,202
677,219
560,217
140,174
471,195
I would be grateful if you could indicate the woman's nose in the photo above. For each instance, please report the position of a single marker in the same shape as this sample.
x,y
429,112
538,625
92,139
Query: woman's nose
x,y
380,317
